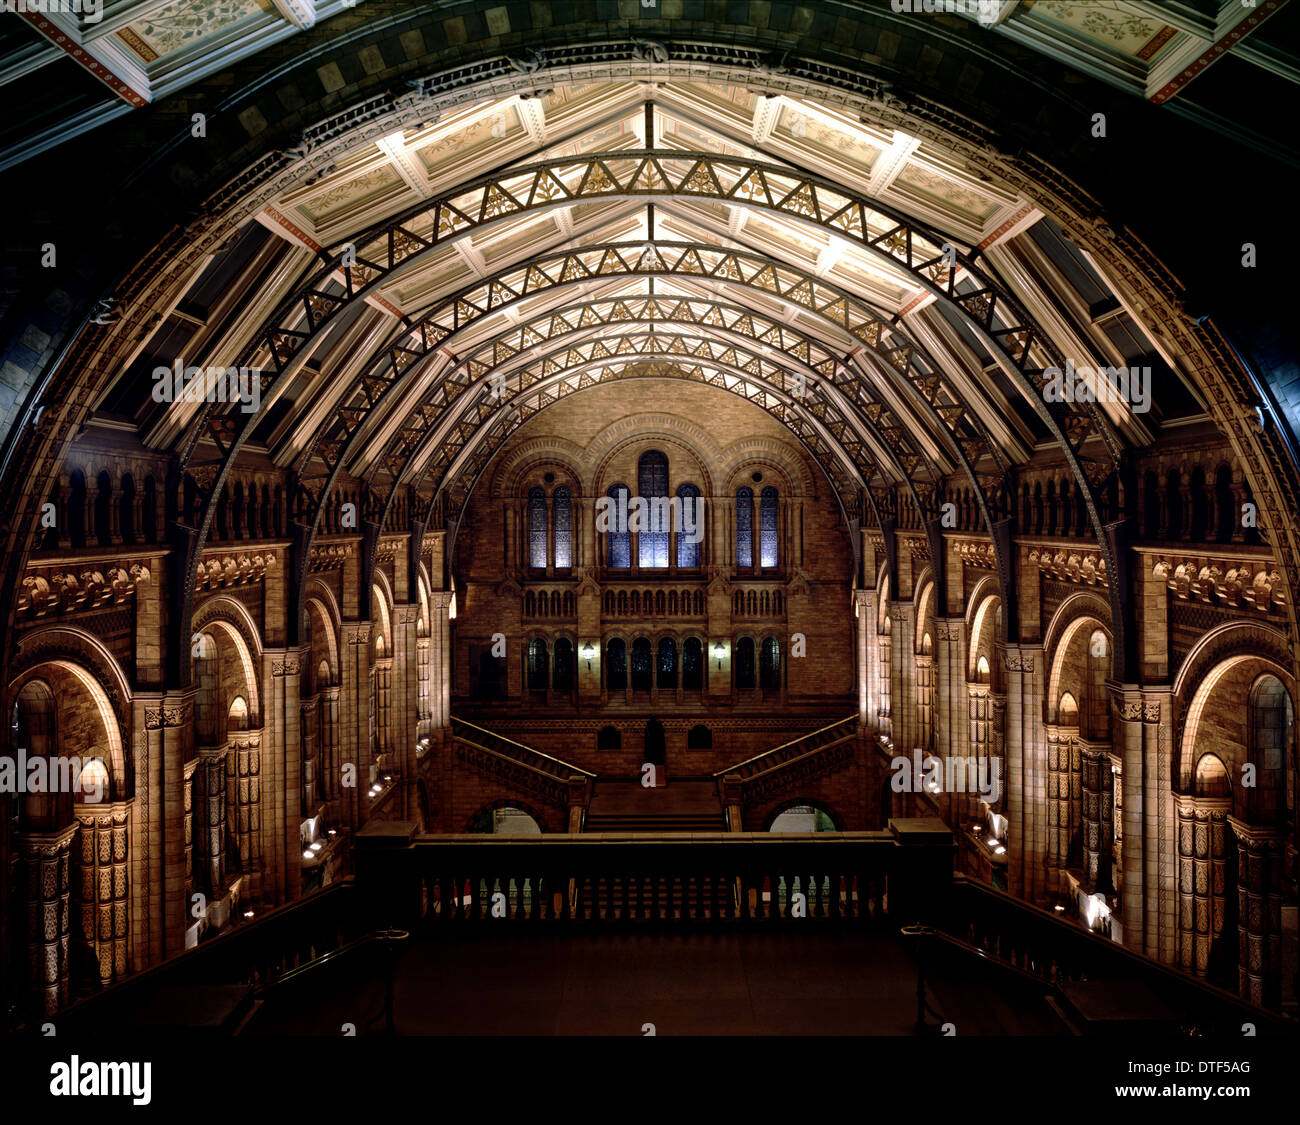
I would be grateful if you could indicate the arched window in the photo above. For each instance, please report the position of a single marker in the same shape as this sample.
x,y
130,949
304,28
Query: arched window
x,y
537,528
537,665
667,663
563,679
562,499
652,486
770,665
744,527
641,664
1271,719
616,533
699,737
690,527
616,665
745,663
767,527
693,664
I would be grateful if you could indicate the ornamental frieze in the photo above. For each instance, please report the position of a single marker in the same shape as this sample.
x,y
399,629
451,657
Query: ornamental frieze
x,y
219,570
1086,568
977,553
1244,582
46,591
328,556
155,718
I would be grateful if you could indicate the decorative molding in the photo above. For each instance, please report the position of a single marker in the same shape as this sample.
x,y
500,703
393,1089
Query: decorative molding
x,y
168,716
978,553
220,569
45,591
1245,582
1081,567
328,556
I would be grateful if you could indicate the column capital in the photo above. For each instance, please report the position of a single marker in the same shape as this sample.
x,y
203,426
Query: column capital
x,y
44,845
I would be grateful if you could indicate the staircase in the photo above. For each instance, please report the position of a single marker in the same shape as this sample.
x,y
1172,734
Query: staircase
x,y
521,766
622,805
801,758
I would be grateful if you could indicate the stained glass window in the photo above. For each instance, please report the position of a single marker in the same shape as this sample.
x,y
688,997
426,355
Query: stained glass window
x,y
667,663
767,527
745,527
537,669
563,528
690,527
745,663
693,664
563,680
617,535
616,665
770,666
652,486
537,528
641,664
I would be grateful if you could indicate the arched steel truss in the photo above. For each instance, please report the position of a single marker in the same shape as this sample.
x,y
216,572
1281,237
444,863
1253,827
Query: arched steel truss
x,y
769,384
724,327
1020,347
484,437
890,353
894,353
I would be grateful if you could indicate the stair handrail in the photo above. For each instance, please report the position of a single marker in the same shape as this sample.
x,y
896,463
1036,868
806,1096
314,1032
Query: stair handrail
x,y
569,767
784,745
516,762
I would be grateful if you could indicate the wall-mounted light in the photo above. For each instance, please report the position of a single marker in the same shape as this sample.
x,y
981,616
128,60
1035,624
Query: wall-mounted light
x,y
719,651
588,651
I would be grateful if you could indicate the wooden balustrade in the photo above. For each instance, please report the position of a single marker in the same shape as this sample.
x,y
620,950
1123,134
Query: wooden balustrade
x,y
611,877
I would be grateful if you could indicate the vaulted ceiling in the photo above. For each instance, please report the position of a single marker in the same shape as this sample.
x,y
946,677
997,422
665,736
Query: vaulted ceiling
x,y
882,256
893,304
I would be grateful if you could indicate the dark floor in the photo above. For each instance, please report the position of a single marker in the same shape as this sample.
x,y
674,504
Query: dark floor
x,y
738,983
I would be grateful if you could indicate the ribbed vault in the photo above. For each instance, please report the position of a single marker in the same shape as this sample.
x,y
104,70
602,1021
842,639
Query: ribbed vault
x,y
877,292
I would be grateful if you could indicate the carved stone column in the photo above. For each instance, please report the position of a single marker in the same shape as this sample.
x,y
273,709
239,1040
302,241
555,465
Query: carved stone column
x,y
162,844
209,813
1202,879
405,702
1259,912
1147,884
441,663
103,886
1097,804
46,861
1022,771
282,776
244,806
355,756
1064,802
327,768
902,677
952,723
863,618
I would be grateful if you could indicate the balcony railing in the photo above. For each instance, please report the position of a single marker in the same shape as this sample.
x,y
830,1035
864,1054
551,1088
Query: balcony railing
x,y
438,881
